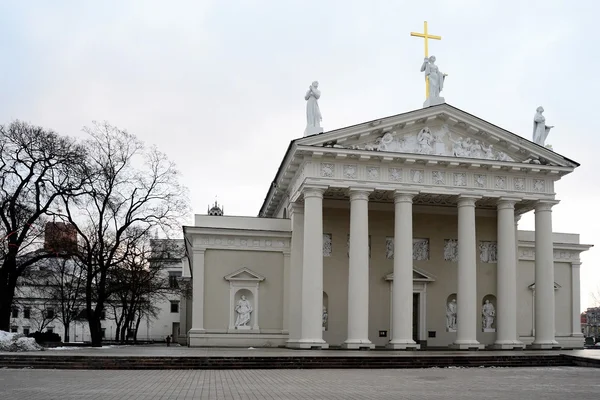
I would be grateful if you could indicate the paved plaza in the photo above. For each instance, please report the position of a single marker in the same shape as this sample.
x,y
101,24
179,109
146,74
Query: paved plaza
x,y
447,384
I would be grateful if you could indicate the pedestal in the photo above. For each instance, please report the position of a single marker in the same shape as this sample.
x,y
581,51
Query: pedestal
x,y
433,101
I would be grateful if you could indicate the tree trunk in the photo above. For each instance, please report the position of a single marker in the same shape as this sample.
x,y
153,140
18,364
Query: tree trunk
x,y
66,326
8,283
137,327
95,327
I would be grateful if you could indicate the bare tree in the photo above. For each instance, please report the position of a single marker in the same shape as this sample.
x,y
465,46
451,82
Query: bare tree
x,y
36,168
130,190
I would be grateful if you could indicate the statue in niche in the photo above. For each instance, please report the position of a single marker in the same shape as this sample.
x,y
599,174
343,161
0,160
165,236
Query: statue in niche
x,y
451,315
489,313
243,310
313,113
425,140
540,129
325,317
436,78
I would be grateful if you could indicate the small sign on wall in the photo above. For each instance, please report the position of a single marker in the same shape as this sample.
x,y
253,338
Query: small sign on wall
x,y
382,333
431,334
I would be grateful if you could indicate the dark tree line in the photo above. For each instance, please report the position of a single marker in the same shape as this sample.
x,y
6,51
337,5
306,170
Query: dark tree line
x,y
111,189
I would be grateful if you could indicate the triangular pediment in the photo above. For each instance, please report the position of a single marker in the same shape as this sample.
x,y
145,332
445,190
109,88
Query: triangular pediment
x,y
418,276
244,274
441,130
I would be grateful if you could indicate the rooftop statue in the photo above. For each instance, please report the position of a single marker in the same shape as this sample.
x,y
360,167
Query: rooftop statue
x,y
313,113
540,129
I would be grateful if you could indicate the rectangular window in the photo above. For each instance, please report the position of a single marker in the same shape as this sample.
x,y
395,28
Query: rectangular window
x,y
49,313
173,275
174,306
26,330
15,312
27,313
14,329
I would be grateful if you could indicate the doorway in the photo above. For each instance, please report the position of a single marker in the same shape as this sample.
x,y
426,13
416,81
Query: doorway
x,y
175,332
416,317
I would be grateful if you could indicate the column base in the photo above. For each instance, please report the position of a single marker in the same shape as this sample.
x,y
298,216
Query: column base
x,y
402,345
508,345
307,344
467,345
547,345
358,345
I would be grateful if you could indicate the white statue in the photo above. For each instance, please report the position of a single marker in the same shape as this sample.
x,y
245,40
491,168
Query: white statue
x,y
243,310
425,141
436,78
540,129
488,312
313,113
451,315
325,317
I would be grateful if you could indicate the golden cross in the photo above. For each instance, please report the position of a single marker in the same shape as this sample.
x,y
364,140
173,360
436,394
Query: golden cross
x,y
426,36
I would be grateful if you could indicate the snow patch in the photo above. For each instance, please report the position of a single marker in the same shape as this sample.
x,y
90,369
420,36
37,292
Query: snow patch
x,y
16,342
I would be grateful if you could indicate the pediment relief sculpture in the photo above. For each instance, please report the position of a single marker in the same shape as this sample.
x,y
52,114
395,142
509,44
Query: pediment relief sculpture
x,y
434,141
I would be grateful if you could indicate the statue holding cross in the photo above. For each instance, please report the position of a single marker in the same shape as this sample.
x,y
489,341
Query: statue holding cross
x,y
434,78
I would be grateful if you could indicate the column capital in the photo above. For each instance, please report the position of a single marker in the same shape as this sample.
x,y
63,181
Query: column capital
x,y
404,196
545,205
359,193
314,191
576,264
507,203
467,200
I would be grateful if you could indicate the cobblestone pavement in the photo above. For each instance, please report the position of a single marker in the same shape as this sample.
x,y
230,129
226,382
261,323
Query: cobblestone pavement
x,y
414,384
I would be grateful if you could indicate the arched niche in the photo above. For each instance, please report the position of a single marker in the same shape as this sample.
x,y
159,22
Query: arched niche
x,y
325,311
244,282
451,313
488,313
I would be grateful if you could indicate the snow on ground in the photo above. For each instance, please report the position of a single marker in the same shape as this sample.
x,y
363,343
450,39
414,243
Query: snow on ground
x,y
15,342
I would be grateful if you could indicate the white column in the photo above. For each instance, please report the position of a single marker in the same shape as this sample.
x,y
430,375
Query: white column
x,y
358,272
286,291
576,299
506,307
311,335
295,305
402,293
197,294
467,304
544,278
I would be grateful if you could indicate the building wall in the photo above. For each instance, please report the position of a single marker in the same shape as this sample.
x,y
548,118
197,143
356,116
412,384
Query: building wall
x,y
220,263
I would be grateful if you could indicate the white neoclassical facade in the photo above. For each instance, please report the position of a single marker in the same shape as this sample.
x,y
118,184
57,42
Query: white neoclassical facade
x,y
401,233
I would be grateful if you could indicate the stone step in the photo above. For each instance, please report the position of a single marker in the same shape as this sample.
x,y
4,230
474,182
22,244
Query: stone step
x,y
298,362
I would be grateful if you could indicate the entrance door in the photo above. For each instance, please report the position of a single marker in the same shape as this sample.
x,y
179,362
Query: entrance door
x,y
416,316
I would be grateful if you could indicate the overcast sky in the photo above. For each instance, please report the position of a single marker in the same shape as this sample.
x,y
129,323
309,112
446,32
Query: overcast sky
x,y
218,85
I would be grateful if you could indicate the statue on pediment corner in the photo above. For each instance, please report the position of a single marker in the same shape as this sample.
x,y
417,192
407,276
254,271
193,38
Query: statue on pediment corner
x,y
540,129
313,112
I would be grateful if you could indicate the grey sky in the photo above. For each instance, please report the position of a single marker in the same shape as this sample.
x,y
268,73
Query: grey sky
x,y
219,86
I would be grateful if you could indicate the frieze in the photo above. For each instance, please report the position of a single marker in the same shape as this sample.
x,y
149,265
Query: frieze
x,y
435,141
417,175
439,177
488,251
395,174
539,185
327,170
519,184
480,180
420,249
460,179
451,250
350,172
243,242
500,182
528,253
373,173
